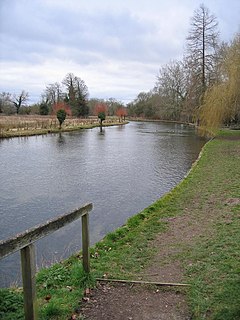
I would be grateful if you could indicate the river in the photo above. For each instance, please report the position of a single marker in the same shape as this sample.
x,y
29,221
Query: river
x,y
121,171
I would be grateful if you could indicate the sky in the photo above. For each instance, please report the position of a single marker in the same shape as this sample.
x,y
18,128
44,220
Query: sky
x,y
117,47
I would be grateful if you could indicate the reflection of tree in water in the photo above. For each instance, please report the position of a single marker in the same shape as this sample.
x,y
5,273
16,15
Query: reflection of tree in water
x,y
101,132
120,127
61,139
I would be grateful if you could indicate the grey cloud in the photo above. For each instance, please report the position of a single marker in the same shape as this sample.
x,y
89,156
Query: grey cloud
x,y
36,31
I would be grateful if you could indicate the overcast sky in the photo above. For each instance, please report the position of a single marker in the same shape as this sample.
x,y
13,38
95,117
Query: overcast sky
x,y
115,46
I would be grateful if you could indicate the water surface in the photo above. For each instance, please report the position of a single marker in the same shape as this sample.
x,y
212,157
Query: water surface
x,y
120,171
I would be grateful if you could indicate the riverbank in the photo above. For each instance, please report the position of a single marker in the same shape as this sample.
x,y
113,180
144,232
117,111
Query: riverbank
x,y
190,235
22,126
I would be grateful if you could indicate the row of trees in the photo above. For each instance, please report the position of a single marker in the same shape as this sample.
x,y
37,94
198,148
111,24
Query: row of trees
x,y
180,85
185,90
73,92
70,95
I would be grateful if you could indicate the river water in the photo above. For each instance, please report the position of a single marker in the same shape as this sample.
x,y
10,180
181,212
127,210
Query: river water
x,y
121,171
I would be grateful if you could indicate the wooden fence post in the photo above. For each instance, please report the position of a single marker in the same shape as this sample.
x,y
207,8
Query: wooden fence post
x,y
85,243
24,243
29,283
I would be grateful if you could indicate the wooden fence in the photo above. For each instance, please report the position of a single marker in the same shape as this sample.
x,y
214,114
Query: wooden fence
x,y
25,243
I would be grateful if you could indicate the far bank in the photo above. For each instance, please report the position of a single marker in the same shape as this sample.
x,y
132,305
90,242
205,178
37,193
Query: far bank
x,y
22,126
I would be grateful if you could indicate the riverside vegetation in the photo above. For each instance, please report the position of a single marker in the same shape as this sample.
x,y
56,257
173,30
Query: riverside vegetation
x,y
19,126
210,195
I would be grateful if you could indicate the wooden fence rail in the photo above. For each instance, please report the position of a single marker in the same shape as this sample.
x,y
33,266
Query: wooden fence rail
x,y
24,242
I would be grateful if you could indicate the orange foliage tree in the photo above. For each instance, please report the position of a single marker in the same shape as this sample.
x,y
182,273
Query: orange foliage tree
x,y
100,107
61,106
121,113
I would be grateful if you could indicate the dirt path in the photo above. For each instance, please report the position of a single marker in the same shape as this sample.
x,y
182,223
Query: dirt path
x,y
126,302
138,302
120,302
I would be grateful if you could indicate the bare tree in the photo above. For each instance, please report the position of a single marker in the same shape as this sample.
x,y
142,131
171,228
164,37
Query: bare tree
x,y
5,100
113,105
76,87
20,100
172,85
69,83
53,94
172,80
202,43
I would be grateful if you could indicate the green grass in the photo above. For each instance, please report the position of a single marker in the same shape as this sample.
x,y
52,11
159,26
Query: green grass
x,y
125,252
64,283
211,261
229,133
215,272
11,305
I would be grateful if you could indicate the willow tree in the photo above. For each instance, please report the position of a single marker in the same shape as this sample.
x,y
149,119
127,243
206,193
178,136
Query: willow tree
x,y
222,101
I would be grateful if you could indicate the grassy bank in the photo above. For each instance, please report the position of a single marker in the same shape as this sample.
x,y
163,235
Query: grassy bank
x,y
21,126
210,196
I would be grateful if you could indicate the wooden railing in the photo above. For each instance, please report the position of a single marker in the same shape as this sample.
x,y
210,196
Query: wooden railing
x,y
25,243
